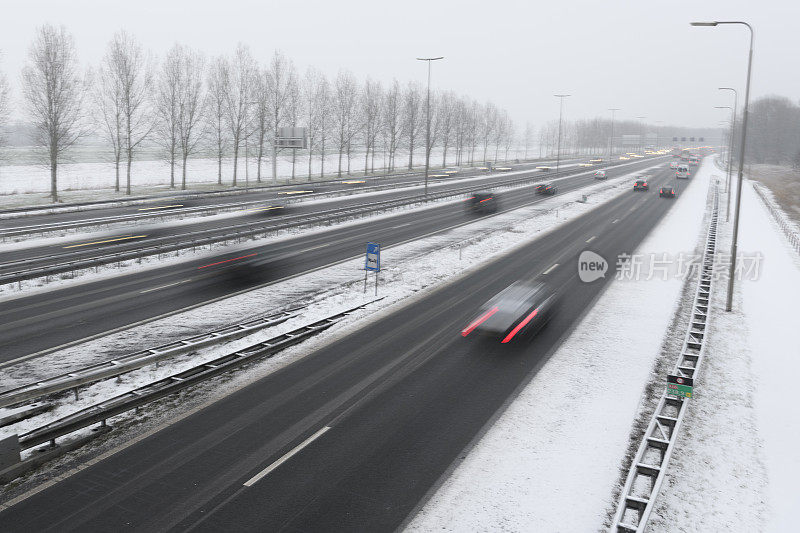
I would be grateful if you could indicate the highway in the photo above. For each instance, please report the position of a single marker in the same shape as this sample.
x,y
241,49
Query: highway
x,y
134,236
353,436
173,204
45,320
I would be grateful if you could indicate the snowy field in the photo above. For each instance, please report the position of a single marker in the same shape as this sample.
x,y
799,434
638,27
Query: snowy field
x,y
551,461
409,269
735,467
93,173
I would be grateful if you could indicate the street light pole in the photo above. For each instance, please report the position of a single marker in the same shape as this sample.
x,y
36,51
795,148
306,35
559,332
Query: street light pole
x,y
730,151
560,114
428,120
611,141
730,145
734,247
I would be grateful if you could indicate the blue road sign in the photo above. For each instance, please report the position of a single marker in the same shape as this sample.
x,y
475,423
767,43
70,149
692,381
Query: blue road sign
x,y
373,261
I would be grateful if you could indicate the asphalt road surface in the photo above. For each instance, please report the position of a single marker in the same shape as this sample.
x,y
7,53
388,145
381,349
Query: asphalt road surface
x,y
31,324
351,437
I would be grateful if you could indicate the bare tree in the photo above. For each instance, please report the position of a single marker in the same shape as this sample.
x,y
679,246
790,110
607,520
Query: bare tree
x,y
5,106
261,121
190,98
345,102
487,122
168,108
217,86
107,95
294,109
435,122
392,121
281,79
237,100
473,124
370,103
447,121
414,118
130,76
316,94
53,91
530,132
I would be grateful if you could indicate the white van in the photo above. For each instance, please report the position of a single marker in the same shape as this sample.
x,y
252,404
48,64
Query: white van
x,y
682,172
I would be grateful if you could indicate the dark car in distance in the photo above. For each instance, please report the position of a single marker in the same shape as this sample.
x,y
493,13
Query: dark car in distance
x,y
641,185
547,189
667,192
482,202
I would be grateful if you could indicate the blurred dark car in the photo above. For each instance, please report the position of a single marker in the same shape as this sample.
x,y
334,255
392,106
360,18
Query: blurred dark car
x,y
641,185
519,309
271,209
547,189
482,202
667,192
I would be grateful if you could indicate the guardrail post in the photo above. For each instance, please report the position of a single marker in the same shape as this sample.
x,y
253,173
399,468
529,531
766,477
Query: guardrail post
x,y
75,390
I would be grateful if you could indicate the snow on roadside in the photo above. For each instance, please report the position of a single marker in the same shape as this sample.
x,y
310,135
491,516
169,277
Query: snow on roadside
x,y
408,269
736,465
551,461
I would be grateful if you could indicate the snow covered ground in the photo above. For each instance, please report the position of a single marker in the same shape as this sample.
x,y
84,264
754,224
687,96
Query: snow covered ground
x,y
96,171
735,467
408,269
552,460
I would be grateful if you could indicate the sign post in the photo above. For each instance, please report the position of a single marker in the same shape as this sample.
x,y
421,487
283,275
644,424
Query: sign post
x,y
373,263
679,386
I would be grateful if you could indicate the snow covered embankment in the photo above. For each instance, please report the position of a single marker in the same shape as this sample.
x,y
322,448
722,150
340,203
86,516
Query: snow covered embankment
x,y
737,465
551,460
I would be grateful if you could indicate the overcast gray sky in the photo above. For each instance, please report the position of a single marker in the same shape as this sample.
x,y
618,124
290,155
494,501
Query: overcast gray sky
x,y
641,56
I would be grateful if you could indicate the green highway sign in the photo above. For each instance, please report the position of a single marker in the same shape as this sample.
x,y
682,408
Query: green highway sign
x,y
679,386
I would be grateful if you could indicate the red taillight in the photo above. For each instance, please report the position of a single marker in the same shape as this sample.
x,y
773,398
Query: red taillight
x,y
486,200
520,326
478,321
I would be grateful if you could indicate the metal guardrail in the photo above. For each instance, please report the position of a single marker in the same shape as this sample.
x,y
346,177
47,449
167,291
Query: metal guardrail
x,y
648,468
100,412
780,218
133,361
196,239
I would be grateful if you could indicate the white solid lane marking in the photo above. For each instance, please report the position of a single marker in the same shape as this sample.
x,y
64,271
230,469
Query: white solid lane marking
x,y
590,239
253,480
165,286
615,221
550,269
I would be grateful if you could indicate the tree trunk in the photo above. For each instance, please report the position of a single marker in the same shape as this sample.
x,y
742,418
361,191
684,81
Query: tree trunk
x,y
172,169
116,169
322,159
54,178
235,161
219,164
128,175
183,173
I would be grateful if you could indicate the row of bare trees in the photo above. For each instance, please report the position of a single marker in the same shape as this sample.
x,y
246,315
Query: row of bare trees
x,y
187,104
